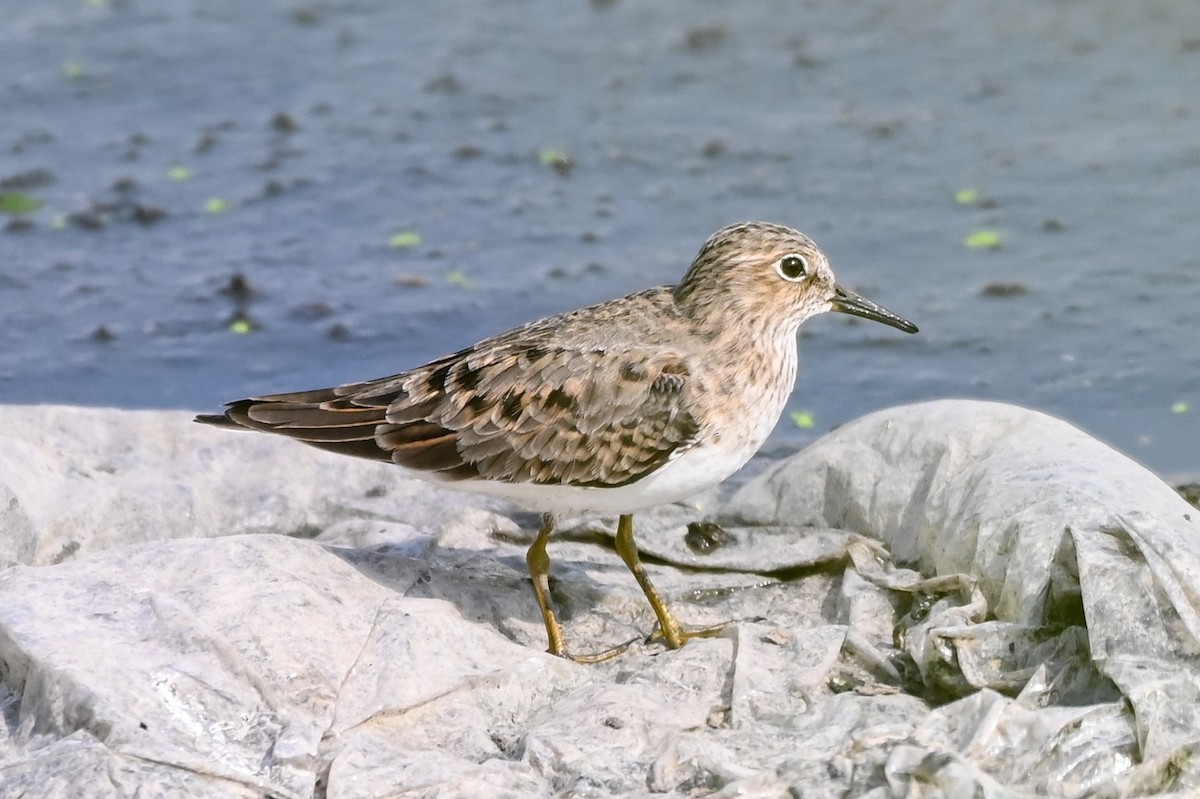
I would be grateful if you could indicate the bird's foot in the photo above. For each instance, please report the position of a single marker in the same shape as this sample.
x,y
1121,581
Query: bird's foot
x,y
676,635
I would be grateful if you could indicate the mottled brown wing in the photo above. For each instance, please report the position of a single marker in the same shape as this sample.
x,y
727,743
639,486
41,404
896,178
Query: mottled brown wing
x,y
509,413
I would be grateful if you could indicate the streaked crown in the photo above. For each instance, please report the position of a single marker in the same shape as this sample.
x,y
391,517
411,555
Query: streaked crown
x,y
760,269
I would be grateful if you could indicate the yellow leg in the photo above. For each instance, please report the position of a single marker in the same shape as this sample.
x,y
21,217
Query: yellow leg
x,y
672,632
627,549
539,569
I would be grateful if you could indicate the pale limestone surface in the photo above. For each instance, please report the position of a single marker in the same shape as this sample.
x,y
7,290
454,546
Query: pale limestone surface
x,y
194,612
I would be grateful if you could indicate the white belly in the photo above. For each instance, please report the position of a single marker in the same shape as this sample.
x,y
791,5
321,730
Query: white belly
x,y
695,470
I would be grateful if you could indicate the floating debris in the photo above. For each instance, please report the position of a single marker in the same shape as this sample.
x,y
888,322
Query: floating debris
x,y
103,335
284,123
405,239
558,160
241,325
18,203
1004,290
29,179
411,281
983,240
459,278
805,420
238,287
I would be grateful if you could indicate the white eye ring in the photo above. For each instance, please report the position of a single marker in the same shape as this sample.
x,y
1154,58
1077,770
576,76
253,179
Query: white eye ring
x,y
793,267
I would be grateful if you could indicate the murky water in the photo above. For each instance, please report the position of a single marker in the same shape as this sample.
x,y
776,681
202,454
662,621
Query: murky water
x,y
175,145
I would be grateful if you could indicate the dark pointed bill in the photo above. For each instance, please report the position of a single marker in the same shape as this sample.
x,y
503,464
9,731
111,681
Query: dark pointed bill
x,y
846,301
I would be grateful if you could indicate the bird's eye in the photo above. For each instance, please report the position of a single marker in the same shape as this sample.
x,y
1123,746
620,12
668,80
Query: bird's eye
x,y
792,267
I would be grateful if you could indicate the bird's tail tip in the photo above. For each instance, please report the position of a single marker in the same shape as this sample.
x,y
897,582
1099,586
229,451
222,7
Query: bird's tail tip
x,y
216,420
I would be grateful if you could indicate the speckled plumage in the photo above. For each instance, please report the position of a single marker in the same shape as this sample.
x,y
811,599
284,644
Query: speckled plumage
x,y
615,407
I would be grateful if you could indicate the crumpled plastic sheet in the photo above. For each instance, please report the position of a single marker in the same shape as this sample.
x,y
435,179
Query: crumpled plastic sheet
x,y
1078,578
942,600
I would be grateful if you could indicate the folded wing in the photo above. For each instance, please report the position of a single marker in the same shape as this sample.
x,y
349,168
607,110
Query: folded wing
x,y
540,414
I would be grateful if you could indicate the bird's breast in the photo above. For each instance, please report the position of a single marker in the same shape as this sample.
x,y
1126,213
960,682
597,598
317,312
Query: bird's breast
x,y
745,394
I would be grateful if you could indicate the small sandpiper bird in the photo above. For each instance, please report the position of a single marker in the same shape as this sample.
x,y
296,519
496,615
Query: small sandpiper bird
x,y
614,408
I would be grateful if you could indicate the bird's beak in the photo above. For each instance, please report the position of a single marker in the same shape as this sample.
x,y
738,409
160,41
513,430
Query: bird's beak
x,y
846,301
